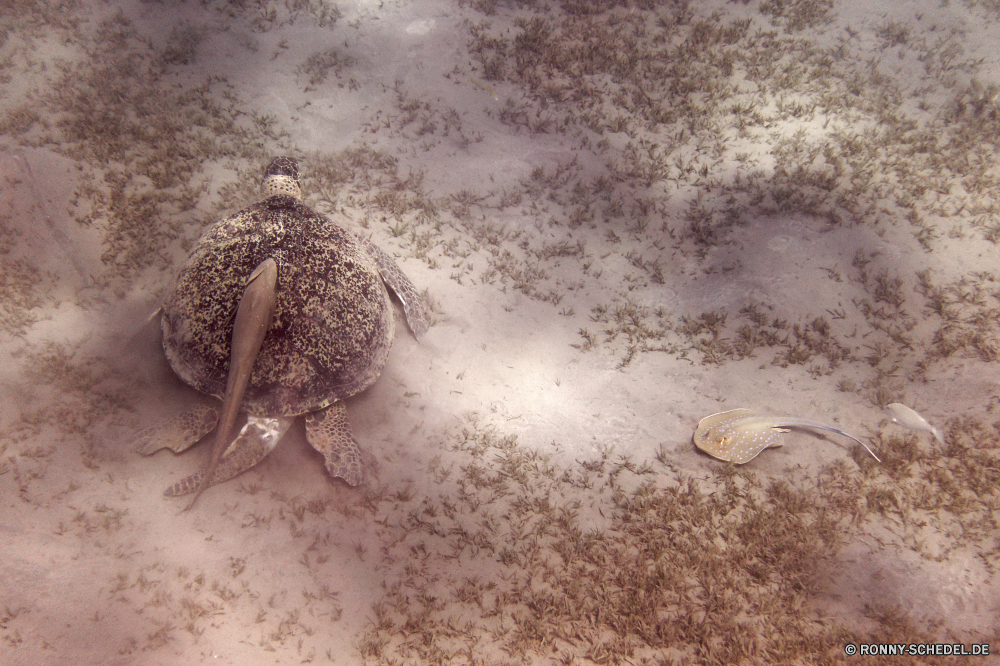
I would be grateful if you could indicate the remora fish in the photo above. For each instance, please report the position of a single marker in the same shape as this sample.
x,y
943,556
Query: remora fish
x,y
906,417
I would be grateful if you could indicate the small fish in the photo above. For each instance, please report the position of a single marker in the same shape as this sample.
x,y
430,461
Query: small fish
x,y
485,86
906,417
740,434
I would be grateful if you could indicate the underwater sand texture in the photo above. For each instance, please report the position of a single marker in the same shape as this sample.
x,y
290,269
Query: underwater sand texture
x,y
625,218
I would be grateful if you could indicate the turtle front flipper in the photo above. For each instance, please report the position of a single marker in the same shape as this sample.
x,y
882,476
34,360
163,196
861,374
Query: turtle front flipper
x,y
253,317
257,438
406,291
180,432
329,433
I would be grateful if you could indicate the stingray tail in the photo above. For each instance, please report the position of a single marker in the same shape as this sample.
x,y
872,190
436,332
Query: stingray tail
x,y
822,426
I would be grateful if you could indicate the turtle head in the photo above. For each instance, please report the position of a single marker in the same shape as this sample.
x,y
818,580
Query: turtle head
x,y
281,177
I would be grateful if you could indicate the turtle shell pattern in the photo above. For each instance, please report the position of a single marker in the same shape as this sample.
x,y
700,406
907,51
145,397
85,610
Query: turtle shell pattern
x,y
333,321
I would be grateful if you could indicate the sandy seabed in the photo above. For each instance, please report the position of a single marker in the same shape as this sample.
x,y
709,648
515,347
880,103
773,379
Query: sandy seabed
x,y
626,216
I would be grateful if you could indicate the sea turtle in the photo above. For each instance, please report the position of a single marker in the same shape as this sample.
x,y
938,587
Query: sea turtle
x,y
278,312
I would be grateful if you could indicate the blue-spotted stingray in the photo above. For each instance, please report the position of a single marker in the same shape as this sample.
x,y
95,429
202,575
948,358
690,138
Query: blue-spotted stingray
x,y
739,435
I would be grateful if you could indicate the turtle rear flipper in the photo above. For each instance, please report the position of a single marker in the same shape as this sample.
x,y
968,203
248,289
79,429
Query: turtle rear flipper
x,y
405,290
257,438
329,433
180,432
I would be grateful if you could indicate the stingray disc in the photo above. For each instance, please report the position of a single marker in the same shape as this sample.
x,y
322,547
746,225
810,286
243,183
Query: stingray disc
x,y
736,436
